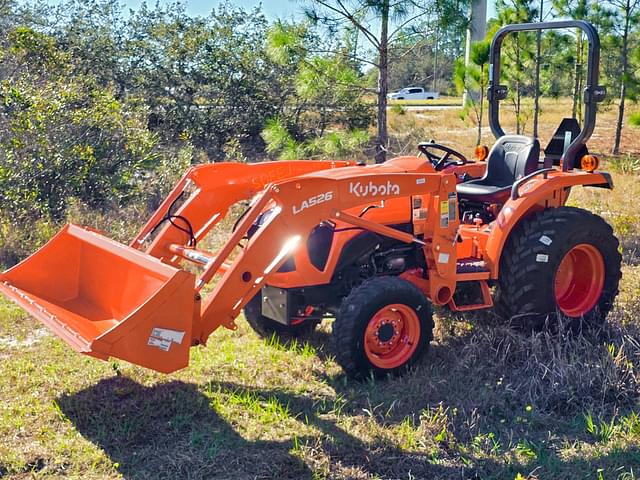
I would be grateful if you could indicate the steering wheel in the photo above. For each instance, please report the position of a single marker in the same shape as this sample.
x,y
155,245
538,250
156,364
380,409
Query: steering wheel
x,y
441,161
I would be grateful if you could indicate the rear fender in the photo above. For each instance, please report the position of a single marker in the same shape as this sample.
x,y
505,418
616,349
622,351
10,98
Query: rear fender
x,y
536,194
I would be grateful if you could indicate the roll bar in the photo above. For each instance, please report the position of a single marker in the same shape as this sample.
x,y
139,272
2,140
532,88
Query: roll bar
x,y
593,93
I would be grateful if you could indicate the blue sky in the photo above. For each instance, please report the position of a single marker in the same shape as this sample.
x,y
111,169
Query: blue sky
x,y
272,8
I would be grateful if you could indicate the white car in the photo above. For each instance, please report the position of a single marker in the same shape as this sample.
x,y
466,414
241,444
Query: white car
x,y
413,93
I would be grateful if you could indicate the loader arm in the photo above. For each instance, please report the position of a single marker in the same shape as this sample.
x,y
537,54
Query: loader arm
x,y
301,204
211,189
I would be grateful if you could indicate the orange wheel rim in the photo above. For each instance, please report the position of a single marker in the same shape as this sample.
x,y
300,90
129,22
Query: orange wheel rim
x,y
579,280
392,336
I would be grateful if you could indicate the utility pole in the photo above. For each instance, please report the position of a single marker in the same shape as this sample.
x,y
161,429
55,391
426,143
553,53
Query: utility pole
x,y
477,31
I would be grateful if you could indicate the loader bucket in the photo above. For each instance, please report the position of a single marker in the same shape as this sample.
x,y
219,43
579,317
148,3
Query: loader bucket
x,y
106,299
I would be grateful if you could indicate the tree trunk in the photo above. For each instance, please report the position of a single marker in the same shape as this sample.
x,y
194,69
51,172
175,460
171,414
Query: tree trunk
x,y
536,98
577,73
623,85
435,63
518,95
482,87
381,147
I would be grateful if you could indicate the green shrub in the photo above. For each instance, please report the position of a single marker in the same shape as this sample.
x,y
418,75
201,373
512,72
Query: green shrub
x,y
398,109
65,139
625,164
64,136
19,241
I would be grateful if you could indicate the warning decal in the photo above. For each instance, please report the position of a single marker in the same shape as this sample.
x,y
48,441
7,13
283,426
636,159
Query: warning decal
x,y
453,197
160,343
162,338
444,214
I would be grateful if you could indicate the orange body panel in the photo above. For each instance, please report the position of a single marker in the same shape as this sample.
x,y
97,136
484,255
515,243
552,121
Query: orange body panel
x,y
333,191
395,211
473,169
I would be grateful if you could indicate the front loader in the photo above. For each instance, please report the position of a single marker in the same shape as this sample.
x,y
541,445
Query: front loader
x,y
373,246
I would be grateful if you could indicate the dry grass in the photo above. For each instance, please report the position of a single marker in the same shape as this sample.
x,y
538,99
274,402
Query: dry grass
x,y
485,403
445,126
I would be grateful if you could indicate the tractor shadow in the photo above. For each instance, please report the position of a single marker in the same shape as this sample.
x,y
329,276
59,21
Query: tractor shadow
x,y
176,429
172,430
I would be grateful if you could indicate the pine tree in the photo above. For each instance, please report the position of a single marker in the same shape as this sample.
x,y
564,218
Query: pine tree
x,y
474,77
518,51
381,23
627,19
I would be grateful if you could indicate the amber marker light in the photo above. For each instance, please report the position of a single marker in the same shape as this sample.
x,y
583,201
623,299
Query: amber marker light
x,y
589,163
481,153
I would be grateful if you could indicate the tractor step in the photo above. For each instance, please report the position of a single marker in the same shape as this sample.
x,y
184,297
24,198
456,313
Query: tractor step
x,y
487,300
471,269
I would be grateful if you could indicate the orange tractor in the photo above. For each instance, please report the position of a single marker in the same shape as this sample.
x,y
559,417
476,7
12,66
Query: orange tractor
x,y
371,245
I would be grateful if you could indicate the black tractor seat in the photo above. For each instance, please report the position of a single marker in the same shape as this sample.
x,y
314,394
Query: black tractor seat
x,y
512,157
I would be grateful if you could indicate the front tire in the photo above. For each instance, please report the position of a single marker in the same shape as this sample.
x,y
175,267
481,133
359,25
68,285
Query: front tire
x,y
563,263
383,327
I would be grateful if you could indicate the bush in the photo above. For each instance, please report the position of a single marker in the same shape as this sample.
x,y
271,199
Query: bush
x,y
398,109
66,139
62,136
18,241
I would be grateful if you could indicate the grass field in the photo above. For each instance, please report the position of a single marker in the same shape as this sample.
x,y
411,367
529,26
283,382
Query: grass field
x,y
485,402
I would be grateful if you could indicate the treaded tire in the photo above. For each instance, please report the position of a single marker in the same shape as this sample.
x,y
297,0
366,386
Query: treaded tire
x,y
359,308
266,327
526,286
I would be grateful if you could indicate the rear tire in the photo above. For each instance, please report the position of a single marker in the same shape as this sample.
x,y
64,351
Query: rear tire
x,y
561,264
383,327
266,327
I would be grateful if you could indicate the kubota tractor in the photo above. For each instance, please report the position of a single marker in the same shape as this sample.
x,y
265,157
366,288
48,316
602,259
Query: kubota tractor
x,y
373,246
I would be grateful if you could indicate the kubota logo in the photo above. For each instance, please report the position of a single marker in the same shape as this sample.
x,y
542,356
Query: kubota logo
x,y
313,201
371,189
